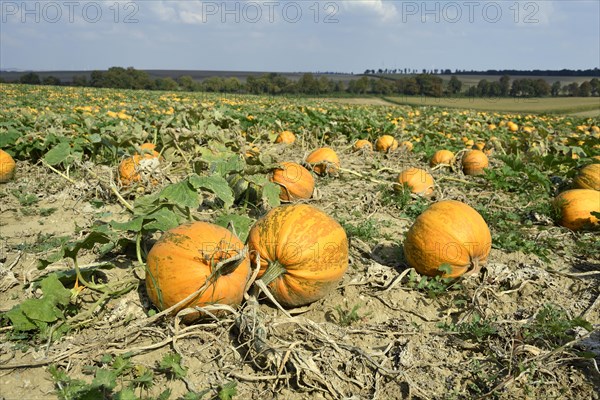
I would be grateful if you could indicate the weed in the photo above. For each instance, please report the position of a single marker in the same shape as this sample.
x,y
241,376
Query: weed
x,y
433,286
346,317
477,329
552,327
366,230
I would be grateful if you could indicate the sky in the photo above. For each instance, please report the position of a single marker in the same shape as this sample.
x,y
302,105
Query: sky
x,y
299,36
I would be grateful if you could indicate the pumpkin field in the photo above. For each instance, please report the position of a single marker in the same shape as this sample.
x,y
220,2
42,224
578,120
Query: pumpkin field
x,y
173,245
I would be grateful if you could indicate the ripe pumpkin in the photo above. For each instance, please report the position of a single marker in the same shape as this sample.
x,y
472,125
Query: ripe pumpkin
x,y
7,167
324,161
588,177
296,181
130,167
406,146
576,206
362,145
303,253
386,144
286,137
512,126
184,260
474,162
448,232
417,180
442,157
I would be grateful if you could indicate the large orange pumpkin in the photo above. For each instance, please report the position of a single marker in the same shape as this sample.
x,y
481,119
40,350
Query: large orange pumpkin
x,y
7,167
442,157
588,177
362,145
286,137
474,162
417,180
386,143
303,253
185,259
448,232
130,167
576,207
296,182
324,161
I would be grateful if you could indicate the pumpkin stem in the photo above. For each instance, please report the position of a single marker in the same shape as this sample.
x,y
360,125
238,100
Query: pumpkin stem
x,y
475,267
274,271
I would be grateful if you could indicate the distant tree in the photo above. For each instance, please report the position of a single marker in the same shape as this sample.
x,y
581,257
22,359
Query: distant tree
x,y
573,89
232,85
2,80
51,81
167,83
541,88
30,78
555,89
595,87
213,84
504,85
585,89
482,87
80,80
339,87
454,85
96,78
186,83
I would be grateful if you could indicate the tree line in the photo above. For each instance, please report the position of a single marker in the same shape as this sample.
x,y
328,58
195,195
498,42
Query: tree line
x,y
423,84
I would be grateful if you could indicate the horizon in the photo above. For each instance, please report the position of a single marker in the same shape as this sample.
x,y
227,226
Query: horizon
x,y
345,36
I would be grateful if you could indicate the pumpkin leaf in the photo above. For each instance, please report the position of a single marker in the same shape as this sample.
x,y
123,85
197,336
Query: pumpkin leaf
x,y
270,193
134,225
58,153
215,184
54,290
161,220
19,320
181,194
240,223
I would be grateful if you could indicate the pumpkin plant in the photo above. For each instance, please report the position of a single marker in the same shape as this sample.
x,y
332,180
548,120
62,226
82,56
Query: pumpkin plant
x,y
7,167
296,182
323,161
588,177
141,166
474,162
576,208
448,233
386,144
417,180
303,253
201,258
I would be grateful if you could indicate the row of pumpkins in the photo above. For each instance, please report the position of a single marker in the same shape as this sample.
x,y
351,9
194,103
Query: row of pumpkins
x,y
302,252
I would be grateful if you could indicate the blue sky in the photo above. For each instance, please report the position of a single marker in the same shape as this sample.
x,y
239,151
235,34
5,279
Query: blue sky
x,y
307,35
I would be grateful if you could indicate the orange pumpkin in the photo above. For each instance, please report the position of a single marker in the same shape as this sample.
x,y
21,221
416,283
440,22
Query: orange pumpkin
x,y
448,232
7,167
286,137
386,144
362,145
303,253
417,180
576,207
146,160
512,126
296,182
406,146
474,162
324,161
442,157
185,259
588,177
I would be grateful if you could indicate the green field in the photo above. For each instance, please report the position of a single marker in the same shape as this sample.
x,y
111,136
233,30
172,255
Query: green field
x,y
581,106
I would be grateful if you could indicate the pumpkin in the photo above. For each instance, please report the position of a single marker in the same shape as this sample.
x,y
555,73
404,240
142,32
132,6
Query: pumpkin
x,y
286,137
147,161
386,143
303,253
362,145
448,232
442,157
324,161
184,260
296,181
406,146
588,177
512,126
417,180
474,162
478,146
576,207
7,167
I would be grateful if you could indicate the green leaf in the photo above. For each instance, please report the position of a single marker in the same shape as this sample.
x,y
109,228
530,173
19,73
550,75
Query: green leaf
x,y
215,184
171,363
19,321
41,310
228,390
161,220
134,225
181,194
54,290
126,394
165,394
58,153
270,193
241,224
106,378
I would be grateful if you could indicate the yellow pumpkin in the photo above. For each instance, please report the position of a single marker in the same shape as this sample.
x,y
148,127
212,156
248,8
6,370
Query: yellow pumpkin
x,y
474,162
576,207
417,180
323,161
442,157
588,177
7,167
448,232
286,137
386,144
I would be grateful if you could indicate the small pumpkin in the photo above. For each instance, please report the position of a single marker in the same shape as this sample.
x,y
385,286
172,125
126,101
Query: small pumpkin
x,y
448,232
7,167
303,253
474,162
417,180
296,182
588,177
442,157
406,146
362,145
323,161
147,160
576,207
286,137
386,144
185,260
513,127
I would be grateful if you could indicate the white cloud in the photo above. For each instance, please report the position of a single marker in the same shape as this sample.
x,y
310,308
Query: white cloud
x,y
385,10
